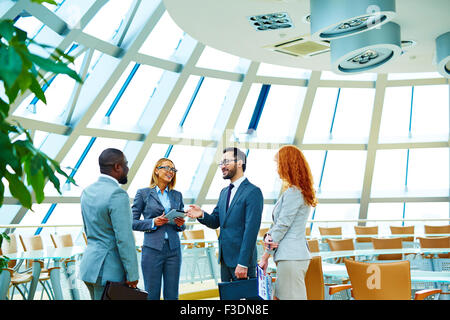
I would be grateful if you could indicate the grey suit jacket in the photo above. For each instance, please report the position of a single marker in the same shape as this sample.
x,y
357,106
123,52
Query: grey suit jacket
x,y
290,215
111,251
147,204
239,226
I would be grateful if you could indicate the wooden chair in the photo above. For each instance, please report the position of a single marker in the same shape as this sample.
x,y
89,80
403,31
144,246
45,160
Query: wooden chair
x,y
403,230
62,241
383,281
359,230
388,243
436,229
196,261
436,242
194,235
17,279
341,245
217,232
313,245
333,231
315,285
36,243
308,231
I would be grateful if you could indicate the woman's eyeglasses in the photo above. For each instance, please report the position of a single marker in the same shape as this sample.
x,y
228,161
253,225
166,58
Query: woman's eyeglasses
x,y
168,169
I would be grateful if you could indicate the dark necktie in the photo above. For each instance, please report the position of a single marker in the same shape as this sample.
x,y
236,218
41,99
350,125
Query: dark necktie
x,y
229,194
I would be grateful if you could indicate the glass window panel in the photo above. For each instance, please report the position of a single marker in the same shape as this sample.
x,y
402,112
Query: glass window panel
x,y
144,174
385,211
200,122
243,120
215,59
164,38
280,115
396,112
99,117
328,75
413,75
187,167
33,218
321,117
389,173
281,112
89,170
344,174
430,112
428,172
353,115
424,211
315,160
107,21
271,70
262,161
29,24
70,11
330,212
135,98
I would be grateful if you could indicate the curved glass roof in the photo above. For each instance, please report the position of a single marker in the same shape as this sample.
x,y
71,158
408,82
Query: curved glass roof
x,y
377,144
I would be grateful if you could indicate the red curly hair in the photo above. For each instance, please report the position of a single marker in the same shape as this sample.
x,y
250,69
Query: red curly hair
x,y
294,170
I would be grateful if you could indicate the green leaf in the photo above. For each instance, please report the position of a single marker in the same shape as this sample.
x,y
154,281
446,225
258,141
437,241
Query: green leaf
x,y
37,90
7,29
37,181
56,67
2,192
18,190
10,67
47,1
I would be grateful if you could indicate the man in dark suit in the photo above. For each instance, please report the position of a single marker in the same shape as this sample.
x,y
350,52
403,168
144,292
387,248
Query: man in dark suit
x,y
238,214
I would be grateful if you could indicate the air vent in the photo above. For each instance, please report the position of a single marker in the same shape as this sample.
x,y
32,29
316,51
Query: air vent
x,y
271,21
300,47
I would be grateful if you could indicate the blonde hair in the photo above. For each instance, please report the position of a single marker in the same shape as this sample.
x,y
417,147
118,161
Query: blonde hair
x,y
154,181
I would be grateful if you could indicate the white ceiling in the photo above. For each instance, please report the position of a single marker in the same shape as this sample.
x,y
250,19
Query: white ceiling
x,y
223,25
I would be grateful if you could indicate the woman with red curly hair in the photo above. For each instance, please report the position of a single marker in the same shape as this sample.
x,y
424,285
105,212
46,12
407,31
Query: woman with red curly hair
x,y
286,239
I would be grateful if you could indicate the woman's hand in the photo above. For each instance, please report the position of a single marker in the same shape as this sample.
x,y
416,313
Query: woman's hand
x,y
161,220
179,221
268,242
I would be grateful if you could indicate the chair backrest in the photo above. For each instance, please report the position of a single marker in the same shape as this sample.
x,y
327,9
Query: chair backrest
x,y
315,287
217,232
333,231
31,243
85,237
9,247
65,240
308,231
436,229
262,232
359,230
194,234
436,242
379,281
313,245
388,243
403,230
341,244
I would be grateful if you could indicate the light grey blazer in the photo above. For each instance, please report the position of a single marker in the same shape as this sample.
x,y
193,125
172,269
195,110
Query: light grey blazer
x,y
111,251
288,229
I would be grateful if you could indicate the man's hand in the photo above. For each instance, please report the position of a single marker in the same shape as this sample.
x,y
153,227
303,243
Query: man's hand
x,y
161,220
240,272
132,284
194,211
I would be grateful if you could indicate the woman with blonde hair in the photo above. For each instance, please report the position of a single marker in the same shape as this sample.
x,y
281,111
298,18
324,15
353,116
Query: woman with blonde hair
x,y
161,250
286,239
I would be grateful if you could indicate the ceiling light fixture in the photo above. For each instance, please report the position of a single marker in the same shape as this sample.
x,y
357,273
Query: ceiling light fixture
x,y
365,51
331,19
271,21
443,54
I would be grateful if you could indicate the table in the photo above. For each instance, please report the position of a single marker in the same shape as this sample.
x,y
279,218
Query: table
x,y
55,254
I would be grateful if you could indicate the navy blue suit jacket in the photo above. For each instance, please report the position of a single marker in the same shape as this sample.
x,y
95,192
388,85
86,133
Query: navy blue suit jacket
x,y
239,226
147,204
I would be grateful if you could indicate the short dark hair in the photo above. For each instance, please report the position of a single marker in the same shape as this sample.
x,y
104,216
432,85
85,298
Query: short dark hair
x,y
238,154
108,158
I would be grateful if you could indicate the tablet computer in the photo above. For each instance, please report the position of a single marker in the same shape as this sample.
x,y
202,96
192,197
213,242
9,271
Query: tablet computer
x,y
174,213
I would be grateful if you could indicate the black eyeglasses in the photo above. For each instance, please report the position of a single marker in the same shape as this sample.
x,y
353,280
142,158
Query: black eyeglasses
x,y
168,169
226,161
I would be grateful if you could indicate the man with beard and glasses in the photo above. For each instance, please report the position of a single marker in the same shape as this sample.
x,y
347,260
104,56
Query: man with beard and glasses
x,y
238,214
110,253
